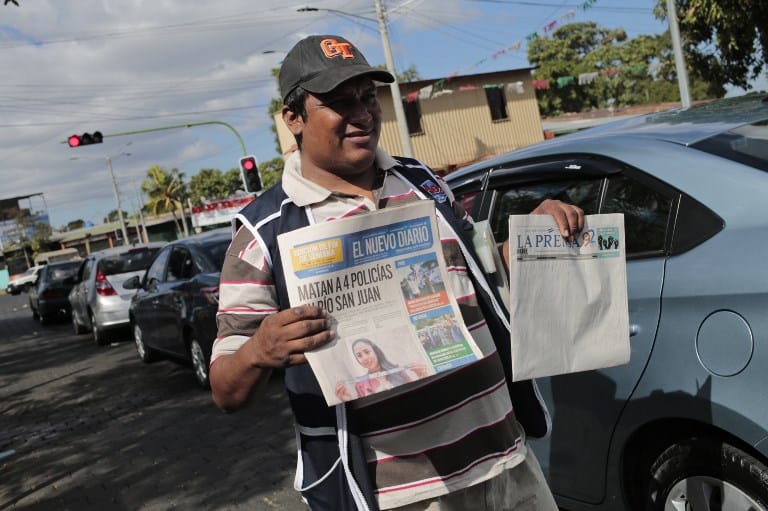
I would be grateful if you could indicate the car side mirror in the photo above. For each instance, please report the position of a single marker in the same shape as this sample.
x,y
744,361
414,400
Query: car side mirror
x,y
132,283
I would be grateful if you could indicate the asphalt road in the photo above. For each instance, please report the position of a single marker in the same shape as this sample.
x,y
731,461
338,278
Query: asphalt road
x,y
85,427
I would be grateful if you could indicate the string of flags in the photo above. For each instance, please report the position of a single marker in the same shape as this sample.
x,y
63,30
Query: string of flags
x,y
440,87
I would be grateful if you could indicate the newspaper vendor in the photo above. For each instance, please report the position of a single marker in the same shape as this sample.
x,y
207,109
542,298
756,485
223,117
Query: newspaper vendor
x,y
452,441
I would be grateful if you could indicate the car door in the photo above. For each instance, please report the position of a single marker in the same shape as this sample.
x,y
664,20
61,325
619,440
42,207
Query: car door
x,y
170,300
78,297
144,303
586,406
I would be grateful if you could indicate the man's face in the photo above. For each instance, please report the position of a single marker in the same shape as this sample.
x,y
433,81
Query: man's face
x,y
341,129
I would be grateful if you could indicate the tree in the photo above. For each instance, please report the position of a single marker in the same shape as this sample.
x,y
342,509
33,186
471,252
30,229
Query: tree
x,y
41,239
621,71
75,224
271,171
234,181
166,191
724,40
207,184
114,216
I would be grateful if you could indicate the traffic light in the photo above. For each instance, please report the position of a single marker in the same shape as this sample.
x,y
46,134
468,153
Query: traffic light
x,y
85,139
250,169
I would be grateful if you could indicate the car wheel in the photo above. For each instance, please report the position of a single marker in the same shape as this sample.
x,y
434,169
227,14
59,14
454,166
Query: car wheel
x,y
198,363
77,327
98,333
707,474
145,353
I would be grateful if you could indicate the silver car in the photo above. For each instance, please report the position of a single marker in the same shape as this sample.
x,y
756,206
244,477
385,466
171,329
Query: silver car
x,y
683,425
99,301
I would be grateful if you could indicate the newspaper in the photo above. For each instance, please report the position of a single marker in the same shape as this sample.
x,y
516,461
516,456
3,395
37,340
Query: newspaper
x,y
382,278
568,299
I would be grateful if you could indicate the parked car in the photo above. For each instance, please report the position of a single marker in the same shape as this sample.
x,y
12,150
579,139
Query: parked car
x,y
683,425
24,281
48,298
99,301
173,313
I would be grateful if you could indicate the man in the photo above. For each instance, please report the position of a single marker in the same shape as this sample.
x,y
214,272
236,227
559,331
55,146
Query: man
x,y
452,441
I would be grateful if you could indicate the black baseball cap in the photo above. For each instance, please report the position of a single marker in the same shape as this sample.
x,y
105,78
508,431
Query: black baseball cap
x,y
320,63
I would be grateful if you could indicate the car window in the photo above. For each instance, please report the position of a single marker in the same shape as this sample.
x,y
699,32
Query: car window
x,y
523,198
646,213
746,144
134,260
157,270
181,266
60,273
216,252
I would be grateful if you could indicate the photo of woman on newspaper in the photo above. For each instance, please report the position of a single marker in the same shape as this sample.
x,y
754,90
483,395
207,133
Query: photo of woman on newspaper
x,y
381,374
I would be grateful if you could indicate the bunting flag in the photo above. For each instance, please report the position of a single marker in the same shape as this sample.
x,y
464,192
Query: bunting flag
x,y
563,81
541,84
412,97
587,78
516,87
425,92
441,93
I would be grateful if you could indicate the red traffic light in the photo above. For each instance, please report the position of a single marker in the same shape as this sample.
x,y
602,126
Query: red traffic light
x,y
85,139
248,164
250,170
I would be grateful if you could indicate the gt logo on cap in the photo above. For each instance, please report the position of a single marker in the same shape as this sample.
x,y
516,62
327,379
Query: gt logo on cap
x,y
333,48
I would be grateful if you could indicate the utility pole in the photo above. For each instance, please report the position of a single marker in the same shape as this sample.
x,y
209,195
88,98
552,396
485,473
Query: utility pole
x,y
397,100
677,46
117,200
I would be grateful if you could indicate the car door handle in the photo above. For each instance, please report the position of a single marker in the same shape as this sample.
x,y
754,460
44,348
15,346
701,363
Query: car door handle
x,y
634,330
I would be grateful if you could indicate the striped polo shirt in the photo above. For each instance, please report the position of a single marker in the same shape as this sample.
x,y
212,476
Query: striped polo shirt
x,y
423,439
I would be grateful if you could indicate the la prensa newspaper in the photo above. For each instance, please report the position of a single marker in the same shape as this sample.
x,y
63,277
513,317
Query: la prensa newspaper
x,y
382,278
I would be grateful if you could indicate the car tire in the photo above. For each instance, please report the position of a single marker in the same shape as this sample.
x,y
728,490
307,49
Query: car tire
x,y
98,334
200,366
77,327
705,473
146,354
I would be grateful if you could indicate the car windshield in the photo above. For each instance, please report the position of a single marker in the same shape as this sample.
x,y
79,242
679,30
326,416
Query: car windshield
x,y
134,260
746,144
61,272
216,251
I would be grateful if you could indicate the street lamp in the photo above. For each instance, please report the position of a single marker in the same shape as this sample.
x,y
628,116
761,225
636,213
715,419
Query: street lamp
x,y
117,196
394,87
114,190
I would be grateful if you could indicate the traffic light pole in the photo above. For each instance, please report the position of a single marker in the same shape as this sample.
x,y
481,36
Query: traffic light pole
x,y
191,125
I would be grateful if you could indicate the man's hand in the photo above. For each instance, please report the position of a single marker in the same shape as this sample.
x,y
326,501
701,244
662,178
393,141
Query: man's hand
x,y
569,218
283,337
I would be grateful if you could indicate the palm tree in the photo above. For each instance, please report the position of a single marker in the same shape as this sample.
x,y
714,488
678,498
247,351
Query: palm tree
x,y
166,191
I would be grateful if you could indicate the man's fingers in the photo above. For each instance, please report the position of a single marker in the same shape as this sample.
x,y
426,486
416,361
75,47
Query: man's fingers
x,y
569,218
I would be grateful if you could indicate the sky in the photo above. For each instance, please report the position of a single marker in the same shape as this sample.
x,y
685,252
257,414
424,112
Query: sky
x,y
121,66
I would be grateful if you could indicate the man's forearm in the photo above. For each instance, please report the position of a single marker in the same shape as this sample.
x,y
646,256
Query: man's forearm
x,y
235,381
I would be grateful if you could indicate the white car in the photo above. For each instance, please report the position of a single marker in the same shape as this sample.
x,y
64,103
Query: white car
x,y
24,282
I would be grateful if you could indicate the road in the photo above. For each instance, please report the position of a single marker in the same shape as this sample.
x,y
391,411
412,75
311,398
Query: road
x,y
85,427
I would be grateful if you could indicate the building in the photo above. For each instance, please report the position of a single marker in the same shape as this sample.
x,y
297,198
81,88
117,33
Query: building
x,y
458,120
